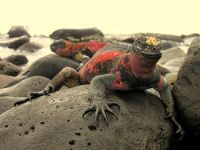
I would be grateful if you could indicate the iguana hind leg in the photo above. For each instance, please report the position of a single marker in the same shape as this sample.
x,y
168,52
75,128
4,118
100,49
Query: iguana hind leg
x,y
67,76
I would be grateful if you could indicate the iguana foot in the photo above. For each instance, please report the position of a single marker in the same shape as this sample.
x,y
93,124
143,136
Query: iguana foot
x,y
101,107
33,95
180,132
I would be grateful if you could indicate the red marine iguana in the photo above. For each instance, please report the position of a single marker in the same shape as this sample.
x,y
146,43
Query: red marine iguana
x,y
119,67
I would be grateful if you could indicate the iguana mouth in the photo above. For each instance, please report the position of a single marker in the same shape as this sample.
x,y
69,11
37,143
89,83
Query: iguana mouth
x,y
152,55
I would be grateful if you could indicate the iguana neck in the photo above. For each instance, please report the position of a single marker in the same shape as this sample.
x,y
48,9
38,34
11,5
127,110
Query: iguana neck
x,y
141,66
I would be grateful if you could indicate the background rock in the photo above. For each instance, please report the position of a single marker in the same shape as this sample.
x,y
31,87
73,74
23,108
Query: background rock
x,y
8,68
17,31
30,47
75,33
16,42
6,103
56,123
8,81
49,66
17,59
4,80
187,95
163,71
21,89
168,44
171,53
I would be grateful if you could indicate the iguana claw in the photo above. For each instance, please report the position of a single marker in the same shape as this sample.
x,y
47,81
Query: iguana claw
x,y
179,130
101,107
33,95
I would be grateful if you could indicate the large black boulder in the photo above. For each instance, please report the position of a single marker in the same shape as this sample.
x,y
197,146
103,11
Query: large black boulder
x,y
75,33
7,68
48,66
18,59
186,92
55,122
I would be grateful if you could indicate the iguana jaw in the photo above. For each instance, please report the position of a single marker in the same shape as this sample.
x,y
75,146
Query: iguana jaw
x,y
152,55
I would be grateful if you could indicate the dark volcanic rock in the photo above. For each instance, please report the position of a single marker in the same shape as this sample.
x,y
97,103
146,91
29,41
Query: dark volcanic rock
x,y
75,33
168,44
55,122
8,68
49,66
193,35
17,31
15,42
30,47
17,59
21,89
186,91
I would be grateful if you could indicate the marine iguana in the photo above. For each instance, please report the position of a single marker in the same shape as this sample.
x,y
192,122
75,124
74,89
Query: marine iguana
x,y
118,67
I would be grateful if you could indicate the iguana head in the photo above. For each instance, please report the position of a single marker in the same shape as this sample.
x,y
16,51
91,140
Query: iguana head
x,y
147,46
58,44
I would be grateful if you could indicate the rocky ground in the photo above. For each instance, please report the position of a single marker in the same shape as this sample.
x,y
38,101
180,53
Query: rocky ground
x,y
55,122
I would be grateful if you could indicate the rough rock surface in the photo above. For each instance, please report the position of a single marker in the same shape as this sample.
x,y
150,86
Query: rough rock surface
x,y
36,83
6,103
56,123
15,42
8,68
49,66
17,31
186,89
75,33
30,47
17,59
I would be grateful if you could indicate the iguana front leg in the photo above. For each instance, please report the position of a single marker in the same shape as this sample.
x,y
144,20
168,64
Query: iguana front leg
x,y
97,93
167,99
67,76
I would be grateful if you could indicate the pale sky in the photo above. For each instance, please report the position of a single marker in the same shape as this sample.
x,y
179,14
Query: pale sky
x,y
110,16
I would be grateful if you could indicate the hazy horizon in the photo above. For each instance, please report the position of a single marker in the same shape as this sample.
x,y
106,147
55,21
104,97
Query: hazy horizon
x,y
110,16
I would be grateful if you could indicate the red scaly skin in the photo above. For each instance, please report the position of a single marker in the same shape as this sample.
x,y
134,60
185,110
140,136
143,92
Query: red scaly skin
x,y
72,48
127,67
